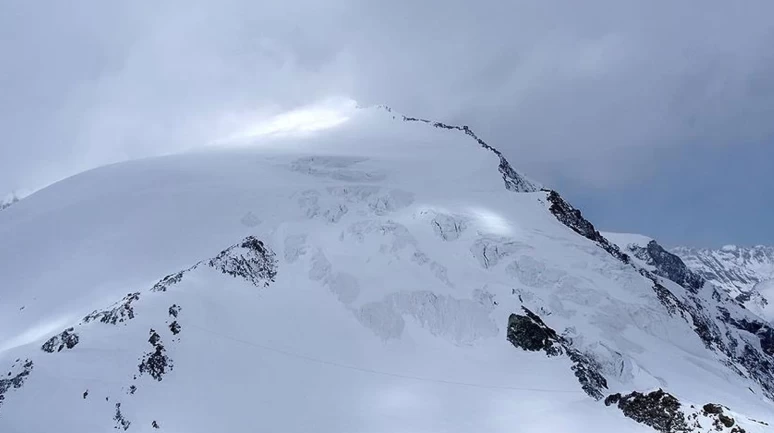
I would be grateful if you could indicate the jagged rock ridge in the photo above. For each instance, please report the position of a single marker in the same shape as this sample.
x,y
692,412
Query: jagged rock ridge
x,y
529,332
513,180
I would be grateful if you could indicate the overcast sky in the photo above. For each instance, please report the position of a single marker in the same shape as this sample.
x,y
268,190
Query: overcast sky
x,y
652,116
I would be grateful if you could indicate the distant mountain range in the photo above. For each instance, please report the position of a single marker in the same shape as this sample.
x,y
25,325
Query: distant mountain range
x,y
745,273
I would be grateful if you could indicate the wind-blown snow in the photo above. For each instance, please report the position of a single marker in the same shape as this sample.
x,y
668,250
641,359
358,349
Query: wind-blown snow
x,y
399,256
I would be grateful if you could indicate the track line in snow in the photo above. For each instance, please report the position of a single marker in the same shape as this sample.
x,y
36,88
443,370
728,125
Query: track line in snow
x,y
380,372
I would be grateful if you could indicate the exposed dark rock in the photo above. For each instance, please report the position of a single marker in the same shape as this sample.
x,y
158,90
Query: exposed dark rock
x,y
719,419
250,260
120,312
657,409
174,327
668,265
155,363
15,381
672,303
132,389
67,339
572,218
529,332
154,424
763,331
663,412
726,420
705,326
174,310
85,394
121,422
154,338
168,281
512,179
586,370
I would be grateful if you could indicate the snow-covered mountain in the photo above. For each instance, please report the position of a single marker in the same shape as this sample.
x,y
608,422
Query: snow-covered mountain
x,y
746,273
388,274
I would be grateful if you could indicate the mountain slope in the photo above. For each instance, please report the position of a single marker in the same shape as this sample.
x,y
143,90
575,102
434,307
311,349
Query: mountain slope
x,y
391,274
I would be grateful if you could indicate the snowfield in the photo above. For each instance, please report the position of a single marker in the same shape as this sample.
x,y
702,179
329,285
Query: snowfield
x,y
384,275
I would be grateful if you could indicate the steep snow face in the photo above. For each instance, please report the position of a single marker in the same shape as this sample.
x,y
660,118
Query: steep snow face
x,y
386,275
737,270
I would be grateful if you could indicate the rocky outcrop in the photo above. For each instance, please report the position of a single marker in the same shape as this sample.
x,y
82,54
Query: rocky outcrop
x,y
121,422
155,363
668,265
174,310
67,339
170,280
15,381
175,328
761,330
664,413
250,260
573,218
657,409
119,312
529,332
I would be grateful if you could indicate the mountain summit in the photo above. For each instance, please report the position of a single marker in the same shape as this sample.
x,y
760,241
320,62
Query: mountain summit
x,y
387,274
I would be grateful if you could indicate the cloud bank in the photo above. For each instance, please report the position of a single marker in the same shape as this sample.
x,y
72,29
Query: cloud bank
x,y
594,93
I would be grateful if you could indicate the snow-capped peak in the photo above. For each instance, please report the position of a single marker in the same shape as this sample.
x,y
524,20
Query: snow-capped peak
x,y
386,274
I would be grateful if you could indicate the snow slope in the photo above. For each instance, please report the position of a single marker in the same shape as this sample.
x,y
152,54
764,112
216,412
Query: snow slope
x,y
385,275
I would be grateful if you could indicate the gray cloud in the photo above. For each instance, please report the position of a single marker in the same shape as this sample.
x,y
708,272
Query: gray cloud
x,y
588,92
